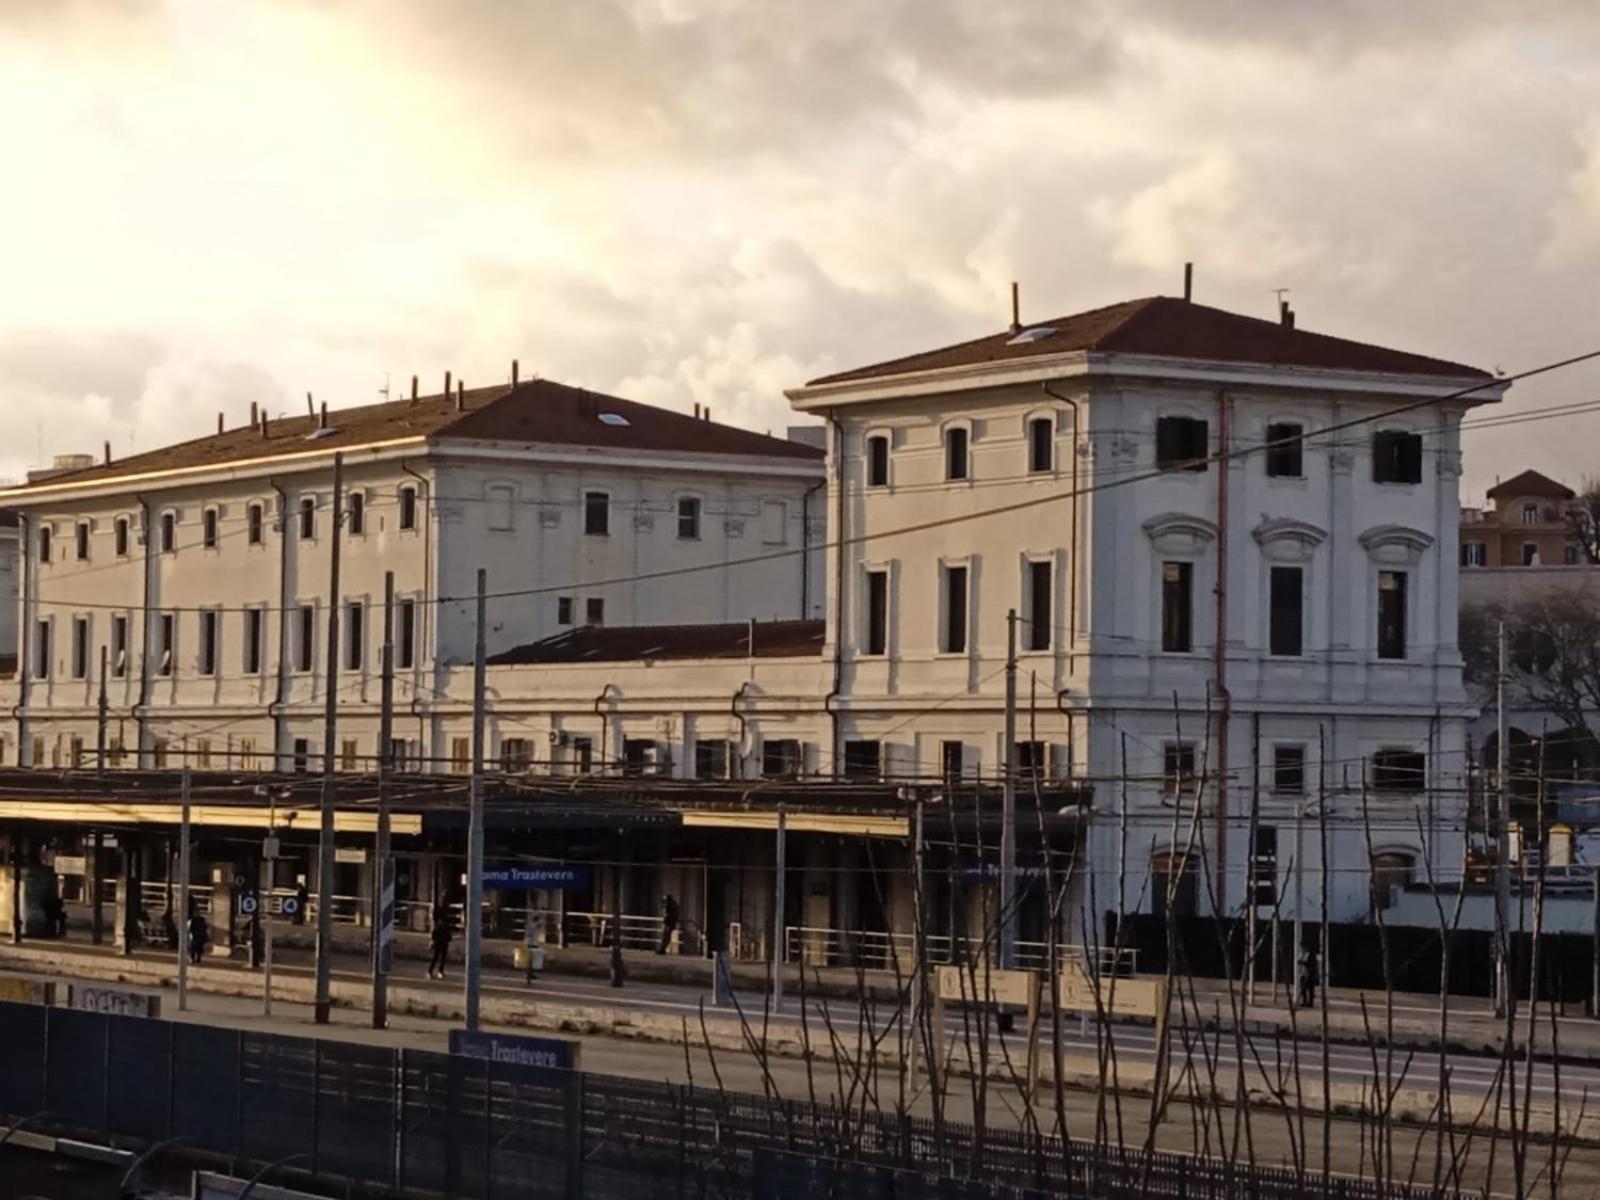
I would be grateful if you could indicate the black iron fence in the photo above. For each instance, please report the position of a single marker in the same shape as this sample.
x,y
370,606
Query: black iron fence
x,y
419,1121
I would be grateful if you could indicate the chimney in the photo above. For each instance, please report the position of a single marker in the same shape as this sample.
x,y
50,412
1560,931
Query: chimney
x,y
708,412
311,408
697,410
1188,282
253,417
447,384
108,451
263,423
1016,308
461,396
219,423
1285,314
515,371
322,417
413,389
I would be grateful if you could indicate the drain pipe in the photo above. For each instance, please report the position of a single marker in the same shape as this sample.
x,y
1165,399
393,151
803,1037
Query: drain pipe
x,y
805,547
279,697
425,610
144,628
605,726
831,699
26,535
1224,441
1072,558
744,729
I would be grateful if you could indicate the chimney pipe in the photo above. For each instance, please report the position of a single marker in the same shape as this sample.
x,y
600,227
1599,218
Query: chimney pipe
x,y
1016,307
1285,314
1188,282
697,410
515,371
322,417
263,423
708,412
311,408
447,385
253,417
108,451
413,389
461,396
219,422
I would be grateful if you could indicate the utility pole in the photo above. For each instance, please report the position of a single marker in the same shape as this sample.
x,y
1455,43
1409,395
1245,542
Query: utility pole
x,y
382,868
1502,869
919,948
1008,807
269,855
330,730
183,895
474,909
778,904
100,719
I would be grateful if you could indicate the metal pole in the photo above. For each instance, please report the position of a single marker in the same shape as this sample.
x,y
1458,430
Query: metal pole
x,y
330,731
1008,807
383,869
96,901
266,891
1502,870
474,907
1299,895
778,905
101,716
1594,950
183,897
919,948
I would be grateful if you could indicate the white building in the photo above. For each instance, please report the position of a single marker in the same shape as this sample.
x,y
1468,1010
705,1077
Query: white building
x,y
200,574
8,589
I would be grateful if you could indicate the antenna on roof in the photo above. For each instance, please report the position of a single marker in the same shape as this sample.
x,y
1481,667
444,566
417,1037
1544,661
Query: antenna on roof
x,y
384,390
1188,282
1016,307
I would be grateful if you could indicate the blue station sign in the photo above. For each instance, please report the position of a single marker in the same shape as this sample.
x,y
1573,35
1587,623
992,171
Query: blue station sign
x,y
535,879
554,1053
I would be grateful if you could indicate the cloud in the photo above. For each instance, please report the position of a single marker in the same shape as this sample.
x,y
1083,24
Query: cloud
x,y
1575,214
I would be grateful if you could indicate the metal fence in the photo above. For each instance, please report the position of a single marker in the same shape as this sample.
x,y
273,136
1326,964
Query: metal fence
x,y
425,1122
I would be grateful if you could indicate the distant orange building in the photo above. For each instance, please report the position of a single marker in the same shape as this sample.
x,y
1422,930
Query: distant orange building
x,y
1525,526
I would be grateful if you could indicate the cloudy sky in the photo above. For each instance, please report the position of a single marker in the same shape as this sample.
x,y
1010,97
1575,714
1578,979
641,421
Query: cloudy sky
x,y
709,200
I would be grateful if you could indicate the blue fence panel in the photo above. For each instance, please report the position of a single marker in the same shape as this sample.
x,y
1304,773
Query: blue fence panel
x,y
206,1087
75,1093
139,1077
22,1080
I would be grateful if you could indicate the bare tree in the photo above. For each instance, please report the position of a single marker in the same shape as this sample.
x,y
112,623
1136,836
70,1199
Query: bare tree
x,y
1583,518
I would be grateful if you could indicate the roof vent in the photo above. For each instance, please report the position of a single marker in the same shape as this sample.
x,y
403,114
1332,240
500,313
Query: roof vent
x,y
613,419
1037,334
320,432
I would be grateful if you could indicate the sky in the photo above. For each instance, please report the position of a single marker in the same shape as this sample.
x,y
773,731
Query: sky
x,y
708,201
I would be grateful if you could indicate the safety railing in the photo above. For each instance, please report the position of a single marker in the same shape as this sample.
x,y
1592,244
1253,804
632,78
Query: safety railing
x,y
876,950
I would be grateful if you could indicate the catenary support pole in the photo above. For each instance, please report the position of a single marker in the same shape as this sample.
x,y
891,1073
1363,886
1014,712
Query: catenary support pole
x,y
330,731
1008,807
473,916
184,835
102,714
780,876
1502,868
382,867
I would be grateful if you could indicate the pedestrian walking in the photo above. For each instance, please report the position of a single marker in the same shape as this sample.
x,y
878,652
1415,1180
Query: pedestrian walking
x,y
669,921
443,928
197,937
1308,977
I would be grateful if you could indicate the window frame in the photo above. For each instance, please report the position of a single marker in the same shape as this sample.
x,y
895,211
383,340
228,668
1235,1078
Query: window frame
x,y
169,532
121,536
1038,635
1474,554
46,542
208,659
1395,452
565,610
81,641
855,764
406,518
498,519
688,508
353,641
1179,768
80,540
1288,761
1285,451
118,645
1175,440
591,508
1170,617
957,467
255,523
875,612
355,512
594,612
166,644
405,646
1037,445
1398,770
777,535
1380,642
306,512
1530,554
210,527
955,635
872,476
1278,639
305,640
253,646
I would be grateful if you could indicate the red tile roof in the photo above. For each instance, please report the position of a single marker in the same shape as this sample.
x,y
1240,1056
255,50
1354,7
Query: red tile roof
x,y
638,643
1530,483
539,411
1161,326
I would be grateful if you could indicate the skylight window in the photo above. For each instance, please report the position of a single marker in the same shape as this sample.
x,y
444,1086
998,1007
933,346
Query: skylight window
x,y
613,419
1037,334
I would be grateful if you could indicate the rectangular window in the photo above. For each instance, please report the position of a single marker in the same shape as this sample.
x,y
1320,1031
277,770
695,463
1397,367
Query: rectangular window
x,y
1285,452
956,464
1530,514
408,508
306,637
302,755
255,630
1396,456
355,517
563,610
862,759
355,632
1569,555
166,643
583,755
1032,762
81,540
202,754
308,517
1474,554
247,754
1041,444
1399,770
516,754
774,522
253,524
1391,614
594,611
75,751
640,756
780,758
952,760
44,543
955,611
1182,443
688,518
1038,607
501,501
158,754
208,529
406,650
347,754
41,650
1285,619
1177,607
120,537
1177,769
596,514
169,532
1530,554
461,755
208,642
877,640
119,645
711,758
1264,868
878,460
80,647
1289,770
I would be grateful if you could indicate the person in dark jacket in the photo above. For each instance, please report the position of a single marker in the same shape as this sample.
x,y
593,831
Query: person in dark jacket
x,y
669,922
443,929
197,937
1308,977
